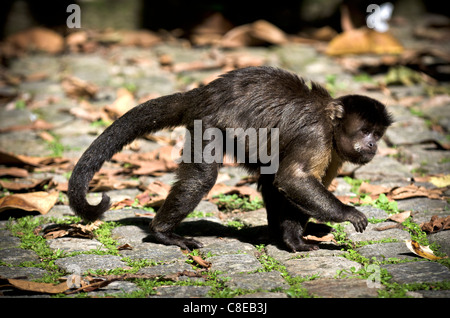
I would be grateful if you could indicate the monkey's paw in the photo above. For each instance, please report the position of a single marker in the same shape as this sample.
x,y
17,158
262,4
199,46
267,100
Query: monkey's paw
x,y
358,219
174,239
296,244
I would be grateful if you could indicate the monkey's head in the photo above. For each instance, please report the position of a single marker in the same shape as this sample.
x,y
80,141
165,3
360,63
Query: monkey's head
x,y
362,124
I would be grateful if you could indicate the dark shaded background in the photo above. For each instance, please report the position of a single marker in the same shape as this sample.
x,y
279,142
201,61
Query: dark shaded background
x,y
290,16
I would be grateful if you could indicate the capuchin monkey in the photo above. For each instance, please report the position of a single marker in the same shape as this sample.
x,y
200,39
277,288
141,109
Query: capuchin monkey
x,y
316,135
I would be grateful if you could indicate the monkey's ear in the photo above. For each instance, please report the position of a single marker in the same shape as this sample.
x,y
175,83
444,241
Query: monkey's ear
x,y
335,110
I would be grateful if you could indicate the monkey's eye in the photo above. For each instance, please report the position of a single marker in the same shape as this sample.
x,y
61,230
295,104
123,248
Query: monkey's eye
x,y
377,135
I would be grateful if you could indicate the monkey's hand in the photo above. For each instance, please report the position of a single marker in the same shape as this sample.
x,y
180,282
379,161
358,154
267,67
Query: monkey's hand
x,y
357,218
174,239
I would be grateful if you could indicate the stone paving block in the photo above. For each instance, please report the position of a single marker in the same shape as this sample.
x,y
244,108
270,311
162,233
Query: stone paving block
x,y
115,288
181,291
443,239
340,288
80,263
129,234
9,241
283,255
15,256
255,281
418,272
155,252
326,266
74,244
371,234
166,269
22,272
234,263
224,247
383,251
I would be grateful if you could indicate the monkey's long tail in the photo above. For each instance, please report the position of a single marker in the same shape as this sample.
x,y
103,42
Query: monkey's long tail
x,y
153,115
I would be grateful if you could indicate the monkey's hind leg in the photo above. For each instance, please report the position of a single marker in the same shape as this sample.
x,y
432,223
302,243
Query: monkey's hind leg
x,y
286,222
195,181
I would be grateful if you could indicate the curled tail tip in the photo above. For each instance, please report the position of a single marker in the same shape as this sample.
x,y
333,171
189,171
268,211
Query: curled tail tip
x,y
89,212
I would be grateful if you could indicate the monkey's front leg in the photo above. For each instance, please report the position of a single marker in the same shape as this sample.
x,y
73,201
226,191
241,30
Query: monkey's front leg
x,y
286,221
311,196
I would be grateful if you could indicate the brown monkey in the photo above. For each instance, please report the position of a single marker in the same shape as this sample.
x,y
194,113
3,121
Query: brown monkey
x,y
316,134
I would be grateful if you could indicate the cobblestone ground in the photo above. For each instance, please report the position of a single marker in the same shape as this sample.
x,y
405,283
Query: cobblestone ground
x,y
241,261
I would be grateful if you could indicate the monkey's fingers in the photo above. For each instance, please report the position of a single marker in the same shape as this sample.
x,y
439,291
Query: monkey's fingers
x,y
174,239
359,220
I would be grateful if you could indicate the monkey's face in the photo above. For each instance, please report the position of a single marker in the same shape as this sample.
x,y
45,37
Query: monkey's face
x,y
356,139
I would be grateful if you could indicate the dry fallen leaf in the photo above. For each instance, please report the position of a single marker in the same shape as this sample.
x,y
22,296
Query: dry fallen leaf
x,y
123,103
41,202
36,287
125,246
71,230
399,217
441,182
35,39
372,189
13,172
327,238
422,251
412,191
244,191
436,224
21,184
142,38
38,124
363,41
75,87
154,196
256,33
200,261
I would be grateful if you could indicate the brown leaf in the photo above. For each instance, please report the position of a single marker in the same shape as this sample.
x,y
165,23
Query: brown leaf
x,y
37,287
125,246
412,191
210,30
75,87
123,103
400,217
200,261
145,215
8,158
327,238
38,124
372,189
153,196
363,41
436,224
256,33
100,184
24,184
389,227
35,39
142,38
346,199
243,191
41,202
72,230
13,172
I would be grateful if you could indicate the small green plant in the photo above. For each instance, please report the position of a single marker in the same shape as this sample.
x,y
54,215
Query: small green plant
x,y
101,123
233,202
383,203
199,214
236,224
